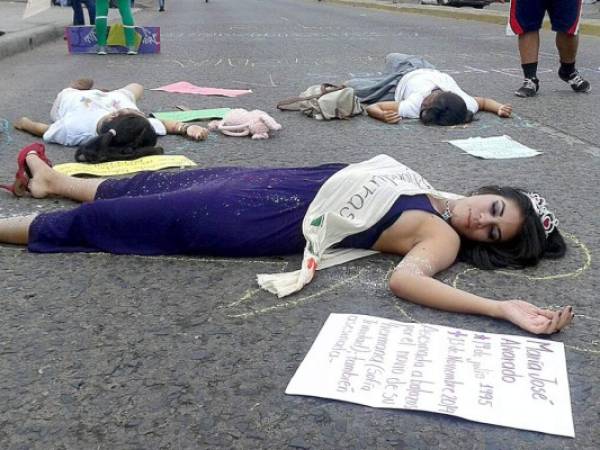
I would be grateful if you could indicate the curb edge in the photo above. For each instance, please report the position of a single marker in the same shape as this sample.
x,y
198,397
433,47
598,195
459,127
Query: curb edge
x,y
21,41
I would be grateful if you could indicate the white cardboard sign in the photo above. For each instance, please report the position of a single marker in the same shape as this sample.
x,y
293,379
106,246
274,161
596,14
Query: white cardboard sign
x,y
513,381
495,147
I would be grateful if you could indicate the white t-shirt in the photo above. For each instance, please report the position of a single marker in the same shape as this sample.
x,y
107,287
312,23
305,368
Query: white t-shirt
x,y
418,84
76,114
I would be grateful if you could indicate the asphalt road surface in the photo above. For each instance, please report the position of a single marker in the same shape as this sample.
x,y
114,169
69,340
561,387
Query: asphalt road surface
x,y
123,352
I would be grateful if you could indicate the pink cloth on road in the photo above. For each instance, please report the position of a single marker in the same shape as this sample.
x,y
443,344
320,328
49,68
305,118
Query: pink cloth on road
x,y
183,87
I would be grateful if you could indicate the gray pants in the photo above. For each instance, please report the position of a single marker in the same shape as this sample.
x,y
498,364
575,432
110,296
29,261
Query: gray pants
x,y
382,88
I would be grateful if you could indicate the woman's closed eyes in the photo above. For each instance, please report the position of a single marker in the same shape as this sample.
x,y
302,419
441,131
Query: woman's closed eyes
x,y
497,210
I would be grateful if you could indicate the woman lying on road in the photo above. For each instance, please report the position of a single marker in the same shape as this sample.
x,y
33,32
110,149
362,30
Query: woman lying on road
x,y
105,125
335,212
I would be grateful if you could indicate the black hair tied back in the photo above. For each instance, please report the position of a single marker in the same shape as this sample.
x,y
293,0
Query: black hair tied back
x,y
125,137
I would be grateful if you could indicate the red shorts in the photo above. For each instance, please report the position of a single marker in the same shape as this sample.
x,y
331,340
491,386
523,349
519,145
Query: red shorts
x,y
528,15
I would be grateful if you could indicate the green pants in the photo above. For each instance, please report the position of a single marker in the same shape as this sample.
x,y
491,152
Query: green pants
x,y
102,21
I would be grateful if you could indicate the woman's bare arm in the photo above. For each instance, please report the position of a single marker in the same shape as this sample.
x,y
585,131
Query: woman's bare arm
x,y
413,280
385,111
489,105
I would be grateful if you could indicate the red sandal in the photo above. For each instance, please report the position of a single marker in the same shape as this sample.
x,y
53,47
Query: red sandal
x,y
19,187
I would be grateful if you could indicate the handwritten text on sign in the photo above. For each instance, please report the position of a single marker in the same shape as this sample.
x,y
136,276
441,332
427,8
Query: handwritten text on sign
x,y
507,380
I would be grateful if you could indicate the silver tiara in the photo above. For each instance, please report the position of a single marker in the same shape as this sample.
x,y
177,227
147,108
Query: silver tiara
x,y
547,217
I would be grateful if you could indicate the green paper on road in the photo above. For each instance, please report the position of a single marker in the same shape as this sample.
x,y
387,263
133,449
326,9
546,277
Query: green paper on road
x,y
191,115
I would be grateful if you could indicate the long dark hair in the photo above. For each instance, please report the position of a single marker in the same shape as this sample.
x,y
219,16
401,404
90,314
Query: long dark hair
x,y
446,109
526,249
127,136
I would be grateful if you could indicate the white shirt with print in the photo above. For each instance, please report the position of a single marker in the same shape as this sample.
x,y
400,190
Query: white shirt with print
x,y
76,114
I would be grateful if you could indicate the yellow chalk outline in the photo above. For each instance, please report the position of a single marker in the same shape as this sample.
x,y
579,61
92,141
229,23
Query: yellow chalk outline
x,y
294,303
291,303
250,293
574,274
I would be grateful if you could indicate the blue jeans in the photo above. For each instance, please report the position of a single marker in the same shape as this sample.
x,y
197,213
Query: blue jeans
x,y
78,18
161,4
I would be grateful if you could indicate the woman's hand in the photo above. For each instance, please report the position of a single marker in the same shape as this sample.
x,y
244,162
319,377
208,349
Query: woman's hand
x,y
505,110
196,132
534,319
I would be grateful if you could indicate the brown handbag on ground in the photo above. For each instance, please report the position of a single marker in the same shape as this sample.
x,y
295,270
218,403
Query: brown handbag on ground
x,y
324,102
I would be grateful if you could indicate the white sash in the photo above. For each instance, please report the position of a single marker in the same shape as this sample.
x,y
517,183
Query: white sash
x,y
352,200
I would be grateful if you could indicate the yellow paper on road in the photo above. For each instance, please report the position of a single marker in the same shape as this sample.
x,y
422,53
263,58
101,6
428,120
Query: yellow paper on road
x,y
116,36
107,169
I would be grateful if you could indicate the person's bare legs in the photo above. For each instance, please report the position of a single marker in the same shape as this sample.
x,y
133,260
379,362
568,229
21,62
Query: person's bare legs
x,y
38,128
82,84
567,44
15,230
46,181
567,49
29,126
529,47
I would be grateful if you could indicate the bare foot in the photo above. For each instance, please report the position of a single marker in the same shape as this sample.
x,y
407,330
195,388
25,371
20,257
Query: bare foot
x,y
42,176
83,84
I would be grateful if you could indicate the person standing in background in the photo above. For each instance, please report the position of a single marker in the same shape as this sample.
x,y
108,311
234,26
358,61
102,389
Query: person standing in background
x,y
102,25
78,18
525,20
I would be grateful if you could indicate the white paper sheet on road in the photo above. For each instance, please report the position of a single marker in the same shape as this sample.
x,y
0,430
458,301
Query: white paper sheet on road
x,y
495,147
507,380
34,7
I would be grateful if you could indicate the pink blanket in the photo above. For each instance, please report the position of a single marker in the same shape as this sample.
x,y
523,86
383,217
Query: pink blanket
x,y
183,87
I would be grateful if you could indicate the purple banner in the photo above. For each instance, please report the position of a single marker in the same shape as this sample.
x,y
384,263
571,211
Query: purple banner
x,y
82,39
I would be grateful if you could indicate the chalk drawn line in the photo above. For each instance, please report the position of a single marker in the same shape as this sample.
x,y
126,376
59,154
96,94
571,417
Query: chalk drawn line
x,y
295,302
5,132
298,301
587,262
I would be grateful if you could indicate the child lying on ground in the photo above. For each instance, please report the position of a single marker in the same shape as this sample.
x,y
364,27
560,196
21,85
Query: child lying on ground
x,y
105,124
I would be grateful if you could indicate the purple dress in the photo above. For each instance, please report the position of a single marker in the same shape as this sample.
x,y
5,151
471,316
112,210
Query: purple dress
x,y
221,211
